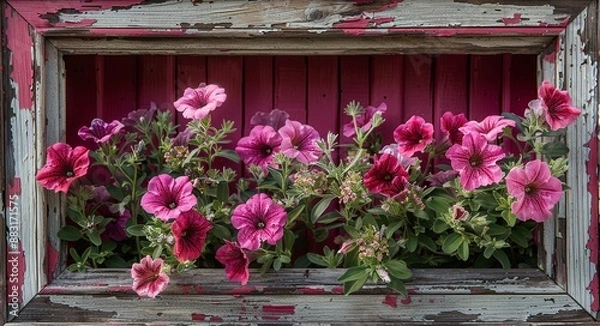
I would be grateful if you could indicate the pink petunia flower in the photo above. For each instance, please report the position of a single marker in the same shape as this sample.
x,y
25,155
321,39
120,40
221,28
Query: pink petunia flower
x,y
364,120
190,230
100,131
386,176
300,142
276,119
490,127
260,146
413,136
167,197
199,102
535,189
557,106
475,161
441,177
450,124
259,219
63,166
236,262
148,277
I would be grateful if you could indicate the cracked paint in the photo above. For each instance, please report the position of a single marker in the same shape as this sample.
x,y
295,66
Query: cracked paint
x,y
20,45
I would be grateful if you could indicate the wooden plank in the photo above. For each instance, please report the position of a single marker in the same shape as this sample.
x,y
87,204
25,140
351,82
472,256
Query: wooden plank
x,y
258,88
191,71
81,100
290,86
118,79
581,76
450,86
323,93
387,85
4,204
417,87
156,82
354,85
485,86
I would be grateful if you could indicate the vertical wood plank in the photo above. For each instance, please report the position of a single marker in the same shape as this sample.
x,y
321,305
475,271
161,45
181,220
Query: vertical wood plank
x,y
485,88
290,86
81,84
387,84
118,78
523,82
417,87
354,85
258,87
450,87
322,94
191,71
156,82
3,216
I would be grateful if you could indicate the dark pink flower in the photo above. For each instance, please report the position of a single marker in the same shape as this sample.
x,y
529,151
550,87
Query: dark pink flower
x,y
196,103
148,277
364,120
259,219
300,142
260,146
190,230
63,166
450,124
276,119
535,189
115,229
413,136
475,161
100,131
167,197
386,176
557,106
490,127
235,260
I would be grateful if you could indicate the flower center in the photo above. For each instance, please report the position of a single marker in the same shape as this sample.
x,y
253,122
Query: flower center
x,y
260,225
387,177
528,189
172,205
70,173
475,160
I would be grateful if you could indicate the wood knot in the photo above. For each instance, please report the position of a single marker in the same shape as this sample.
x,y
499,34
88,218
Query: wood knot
x,y
315,14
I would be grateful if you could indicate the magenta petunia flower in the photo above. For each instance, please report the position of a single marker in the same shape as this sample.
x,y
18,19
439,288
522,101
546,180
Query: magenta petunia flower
x,y
63,166
260,146
276,119
450,124
413,136
259,219
236,262
148,277
167,197
100,131
475,161
557,106
196,103
190,230
300,142
490,127
386,176
535,189
138,116
364,120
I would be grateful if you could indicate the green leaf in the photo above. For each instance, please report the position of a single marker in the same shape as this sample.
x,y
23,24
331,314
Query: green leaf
x,y
412,242
352,286
94,238
555,149
489,251
222,191
451,243
330,217
229,154
501,256
463,251
427,242
520,236
136,230
115,262
398,269
69,233
392,228
277,264
320,208
293,215
398,285
440,226
288,239
277,176
220,232
320,234
438,205
316,259
509,218
354,273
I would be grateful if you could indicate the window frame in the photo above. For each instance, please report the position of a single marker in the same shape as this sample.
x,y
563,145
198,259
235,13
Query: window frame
x,y
567,56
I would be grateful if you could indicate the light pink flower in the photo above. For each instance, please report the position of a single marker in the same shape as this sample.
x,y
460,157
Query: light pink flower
x,y
190,230
490,127
364,120
236,262
450,124
259,219
475,161
386,176
276,119
535,189
441,177
63,166
299,141
413,136
199,102
167,197
148,277
260,146
557,106
100,131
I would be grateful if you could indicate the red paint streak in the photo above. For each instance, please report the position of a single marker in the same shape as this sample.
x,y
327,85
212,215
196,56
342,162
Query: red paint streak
x,y
81,23
475,31
431,300
515,19
15,187
246,289
52,258
185,289
357,25
551,57
594,288
311,291
20,45
337,290
391,300
120,289
197,317
280,310
593,232
216,319
406,300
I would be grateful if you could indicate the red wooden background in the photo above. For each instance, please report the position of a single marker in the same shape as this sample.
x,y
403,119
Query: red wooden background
x,y
313,89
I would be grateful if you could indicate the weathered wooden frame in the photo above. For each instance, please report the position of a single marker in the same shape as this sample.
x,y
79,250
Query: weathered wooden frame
x,y
38,33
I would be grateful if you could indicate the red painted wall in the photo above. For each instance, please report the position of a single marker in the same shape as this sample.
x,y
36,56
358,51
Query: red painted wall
x,y
313,89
